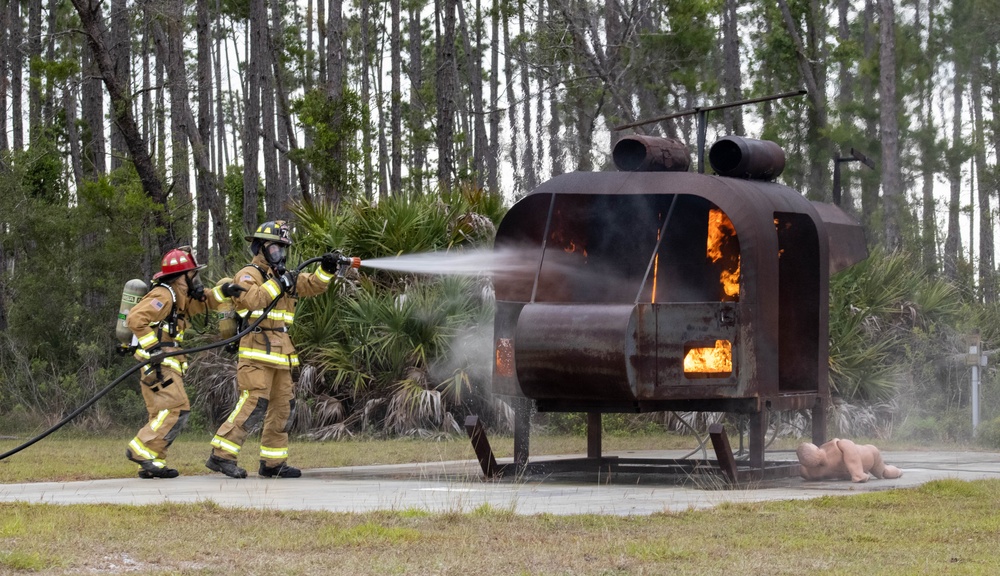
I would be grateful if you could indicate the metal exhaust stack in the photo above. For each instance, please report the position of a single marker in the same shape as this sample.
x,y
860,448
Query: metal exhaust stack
x,y
638,153
740,157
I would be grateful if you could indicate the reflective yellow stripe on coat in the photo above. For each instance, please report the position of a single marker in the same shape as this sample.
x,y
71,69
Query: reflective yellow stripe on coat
x,y
261,356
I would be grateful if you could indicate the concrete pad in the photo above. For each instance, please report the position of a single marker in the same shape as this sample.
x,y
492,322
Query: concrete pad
x,y
456,487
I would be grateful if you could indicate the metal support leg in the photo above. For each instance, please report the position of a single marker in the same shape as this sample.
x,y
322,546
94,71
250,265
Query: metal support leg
x,y
481,445
723,453
819,422
593,434
757,433
522,432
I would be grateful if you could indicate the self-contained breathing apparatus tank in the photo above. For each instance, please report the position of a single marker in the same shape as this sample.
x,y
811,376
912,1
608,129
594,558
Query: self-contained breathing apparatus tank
x,y
134,290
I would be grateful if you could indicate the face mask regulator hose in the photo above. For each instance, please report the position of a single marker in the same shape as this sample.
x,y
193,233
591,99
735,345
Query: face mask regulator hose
x,y
135,368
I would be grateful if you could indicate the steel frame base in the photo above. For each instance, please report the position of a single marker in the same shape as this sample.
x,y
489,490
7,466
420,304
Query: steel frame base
x,y
725,466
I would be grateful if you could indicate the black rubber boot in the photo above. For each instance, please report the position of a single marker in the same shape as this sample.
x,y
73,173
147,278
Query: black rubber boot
x,y
152,469
280,471
227,467
160,473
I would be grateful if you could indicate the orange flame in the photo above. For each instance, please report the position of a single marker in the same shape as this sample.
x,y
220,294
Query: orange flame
x,y
710,360
656,266
505,357
720,229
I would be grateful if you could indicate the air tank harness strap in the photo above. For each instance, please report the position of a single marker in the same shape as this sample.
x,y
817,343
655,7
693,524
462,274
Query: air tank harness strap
x,y
260,330
267,341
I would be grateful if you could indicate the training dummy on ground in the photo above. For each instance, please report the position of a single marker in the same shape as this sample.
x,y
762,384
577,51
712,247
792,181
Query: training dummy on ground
x,y
843,460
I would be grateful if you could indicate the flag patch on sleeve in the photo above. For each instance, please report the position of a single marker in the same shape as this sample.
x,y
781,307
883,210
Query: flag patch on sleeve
x,y
246,278
157,304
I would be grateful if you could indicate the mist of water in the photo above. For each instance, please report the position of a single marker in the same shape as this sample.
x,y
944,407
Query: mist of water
x,y
478,262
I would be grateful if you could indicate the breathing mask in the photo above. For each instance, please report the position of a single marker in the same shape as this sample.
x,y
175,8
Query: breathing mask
x,y
275,254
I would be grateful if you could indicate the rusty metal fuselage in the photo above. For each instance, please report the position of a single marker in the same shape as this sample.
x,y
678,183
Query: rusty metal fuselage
x,y
617,287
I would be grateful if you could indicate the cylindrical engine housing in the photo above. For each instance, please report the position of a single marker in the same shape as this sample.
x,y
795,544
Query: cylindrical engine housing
x,y
639,153
740,157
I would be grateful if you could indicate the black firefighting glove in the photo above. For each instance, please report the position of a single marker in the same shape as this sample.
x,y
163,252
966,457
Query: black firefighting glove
x,y
287,281
330,263
232,289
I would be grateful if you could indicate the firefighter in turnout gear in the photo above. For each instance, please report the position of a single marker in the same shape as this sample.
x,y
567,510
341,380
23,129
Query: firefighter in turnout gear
x,y
157,322
266,356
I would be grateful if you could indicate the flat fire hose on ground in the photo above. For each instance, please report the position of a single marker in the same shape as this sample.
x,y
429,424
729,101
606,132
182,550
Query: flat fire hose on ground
x,y
133,369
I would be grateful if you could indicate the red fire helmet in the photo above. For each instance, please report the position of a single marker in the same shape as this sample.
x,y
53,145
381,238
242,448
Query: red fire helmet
x,y
176,261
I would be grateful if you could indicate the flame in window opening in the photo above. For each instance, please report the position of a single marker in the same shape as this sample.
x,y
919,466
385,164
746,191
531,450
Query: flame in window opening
x,y
504,357
568,246
718,359
720,230
656,266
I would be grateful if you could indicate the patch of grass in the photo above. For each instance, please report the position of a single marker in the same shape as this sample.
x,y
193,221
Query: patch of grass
x,y
23,562
373,534
66,456
943,527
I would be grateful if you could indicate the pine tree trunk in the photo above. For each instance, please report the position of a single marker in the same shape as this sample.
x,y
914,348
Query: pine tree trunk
x,y
446,94
147,99
418,147
493,151
366,96
275,198
845,80
321,40
508,50
121,53
869,185
953,242
121,107
210,203
986,183
16,26
530,171
928,153
92,113
811,61
222,155
276,42
73,135
892,178
732,80
180,169
52,84
556,152
396,98
5,75
204,181
34,81
160,114
475,84
251,124
335,81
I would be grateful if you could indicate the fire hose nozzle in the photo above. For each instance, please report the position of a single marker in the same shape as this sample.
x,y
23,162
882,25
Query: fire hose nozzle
x,y
350,261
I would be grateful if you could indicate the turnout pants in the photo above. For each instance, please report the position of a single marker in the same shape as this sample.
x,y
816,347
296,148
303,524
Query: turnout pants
x,y
168,407
265,396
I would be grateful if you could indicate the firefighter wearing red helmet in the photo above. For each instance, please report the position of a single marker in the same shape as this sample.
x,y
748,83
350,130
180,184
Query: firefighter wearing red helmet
x,y
266,356
157,323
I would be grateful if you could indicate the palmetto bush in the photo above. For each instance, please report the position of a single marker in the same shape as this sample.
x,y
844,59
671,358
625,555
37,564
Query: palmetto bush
x,y
892,333
390,352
